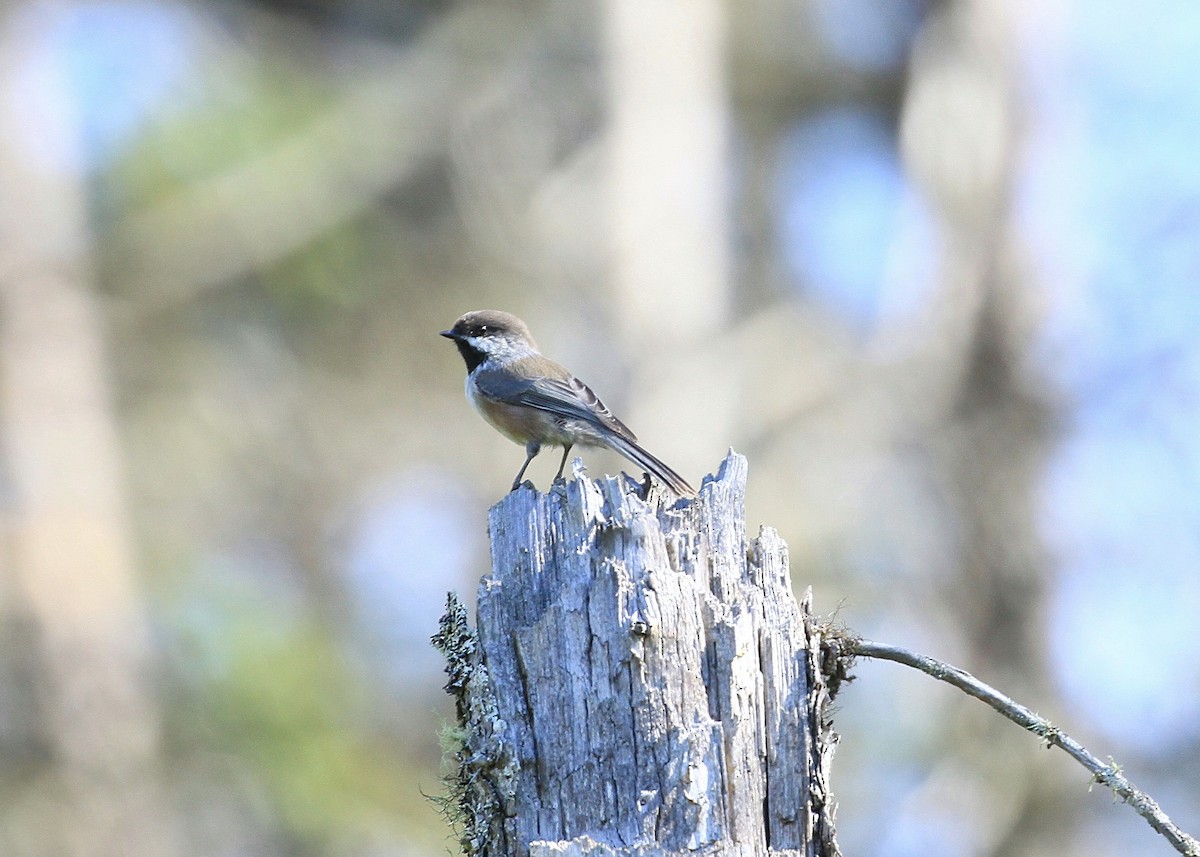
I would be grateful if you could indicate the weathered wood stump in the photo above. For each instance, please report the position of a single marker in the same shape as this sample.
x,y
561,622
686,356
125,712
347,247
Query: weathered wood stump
x,y
642,682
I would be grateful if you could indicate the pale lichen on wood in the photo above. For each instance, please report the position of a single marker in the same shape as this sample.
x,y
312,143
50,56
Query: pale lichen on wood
x,y
655,689
480,785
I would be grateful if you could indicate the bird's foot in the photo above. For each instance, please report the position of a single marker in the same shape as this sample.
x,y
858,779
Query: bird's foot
x,y
559,486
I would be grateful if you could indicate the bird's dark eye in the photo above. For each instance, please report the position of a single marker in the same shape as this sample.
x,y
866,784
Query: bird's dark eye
x,y
480,330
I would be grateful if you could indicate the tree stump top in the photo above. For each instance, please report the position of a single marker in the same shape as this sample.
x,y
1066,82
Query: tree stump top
x,y
644,681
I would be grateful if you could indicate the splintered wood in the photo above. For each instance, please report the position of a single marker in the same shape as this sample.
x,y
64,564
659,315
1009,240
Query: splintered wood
x,y
646,681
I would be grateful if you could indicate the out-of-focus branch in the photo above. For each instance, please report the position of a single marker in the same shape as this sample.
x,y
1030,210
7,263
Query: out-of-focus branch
x,y
391,117
1107,774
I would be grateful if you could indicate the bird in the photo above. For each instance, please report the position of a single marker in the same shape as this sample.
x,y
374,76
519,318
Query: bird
x,y
536,402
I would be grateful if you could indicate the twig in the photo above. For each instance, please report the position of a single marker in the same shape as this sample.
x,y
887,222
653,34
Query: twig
x,y
1109,775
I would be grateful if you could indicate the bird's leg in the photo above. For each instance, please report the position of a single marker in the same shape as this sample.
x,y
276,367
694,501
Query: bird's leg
x,y
531,449
563,463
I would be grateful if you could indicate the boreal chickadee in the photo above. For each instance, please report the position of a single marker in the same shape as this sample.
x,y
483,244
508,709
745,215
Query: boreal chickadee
x,y
534,401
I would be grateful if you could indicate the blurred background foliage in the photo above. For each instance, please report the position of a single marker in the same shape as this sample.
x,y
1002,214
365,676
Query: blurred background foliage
x,y
932,265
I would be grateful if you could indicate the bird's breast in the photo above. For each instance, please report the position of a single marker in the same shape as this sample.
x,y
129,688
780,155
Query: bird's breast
x,y
518,423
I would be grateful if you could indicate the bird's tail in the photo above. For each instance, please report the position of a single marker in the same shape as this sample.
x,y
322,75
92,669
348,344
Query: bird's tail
x,y
645,460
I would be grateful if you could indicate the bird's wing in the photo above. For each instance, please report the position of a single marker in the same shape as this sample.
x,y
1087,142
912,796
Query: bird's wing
x,y
566,397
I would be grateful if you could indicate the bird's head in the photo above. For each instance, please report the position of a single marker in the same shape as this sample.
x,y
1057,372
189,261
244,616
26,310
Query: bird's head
x,y
490,333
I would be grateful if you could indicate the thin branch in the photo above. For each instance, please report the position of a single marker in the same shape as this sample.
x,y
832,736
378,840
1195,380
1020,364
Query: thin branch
x,y
1109,775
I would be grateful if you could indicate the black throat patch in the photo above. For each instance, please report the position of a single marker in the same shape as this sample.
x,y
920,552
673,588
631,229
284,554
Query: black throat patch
x,y
471,356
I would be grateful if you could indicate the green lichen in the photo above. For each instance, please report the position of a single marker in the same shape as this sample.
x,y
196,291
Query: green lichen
x,y
479,767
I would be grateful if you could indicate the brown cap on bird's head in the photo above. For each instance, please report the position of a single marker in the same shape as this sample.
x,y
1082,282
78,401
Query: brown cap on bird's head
x,y
489,322
486,333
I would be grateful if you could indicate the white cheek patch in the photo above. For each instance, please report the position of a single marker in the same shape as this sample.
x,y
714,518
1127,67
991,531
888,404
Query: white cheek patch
x,y
502,347
486,344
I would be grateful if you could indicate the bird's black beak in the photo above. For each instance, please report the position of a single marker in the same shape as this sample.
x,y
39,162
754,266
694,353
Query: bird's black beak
x,y
450,334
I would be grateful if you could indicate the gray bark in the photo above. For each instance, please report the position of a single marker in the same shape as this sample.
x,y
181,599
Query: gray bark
x,y
643,681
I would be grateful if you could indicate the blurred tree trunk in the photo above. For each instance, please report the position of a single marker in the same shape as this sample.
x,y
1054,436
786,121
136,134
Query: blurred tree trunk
x,y
962,129
667,207
68,561
668,166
